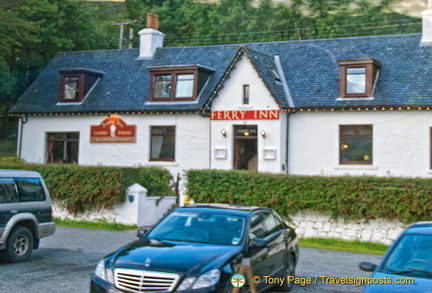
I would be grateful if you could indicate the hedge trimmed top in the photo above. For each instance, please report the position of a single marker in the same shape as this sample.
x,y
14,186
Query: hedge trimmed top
x,y
351,198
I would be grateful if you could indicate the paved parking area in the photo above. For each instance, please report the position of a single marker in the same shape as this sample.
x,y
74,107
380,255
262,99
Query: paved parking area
x,y
66,260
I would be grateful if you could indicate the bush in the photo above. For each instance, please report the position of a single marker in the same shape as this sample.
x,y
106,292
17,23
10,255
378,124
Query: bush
x,y
348,197
84,188
11,160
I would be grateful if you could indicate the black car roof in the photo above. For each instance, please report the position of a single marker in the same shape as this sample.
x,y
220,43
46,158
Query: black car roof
x,y
227,208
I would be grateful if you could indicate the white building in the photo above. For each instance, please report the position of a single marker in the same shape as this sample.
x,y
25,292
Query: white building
x,y
359,106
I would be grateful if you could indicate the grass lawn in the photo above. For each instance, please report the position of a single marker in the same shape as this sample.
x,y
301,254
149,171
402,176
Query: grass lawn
x,y
344,245
100,224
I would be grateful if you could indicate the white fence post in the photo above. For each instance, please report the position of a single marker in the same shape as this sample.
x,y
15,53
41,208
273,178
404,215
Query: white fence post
x,y
136,196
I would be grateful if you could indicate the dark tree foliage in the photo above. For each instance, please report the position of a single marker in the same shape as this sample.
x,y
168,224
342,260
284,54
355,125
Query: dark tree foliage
x,y
33,31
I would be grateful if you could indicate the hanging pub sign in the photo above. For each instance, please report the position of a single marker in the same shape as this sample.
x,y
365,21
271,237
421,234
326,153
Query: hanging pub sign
x,y
113,130
244,115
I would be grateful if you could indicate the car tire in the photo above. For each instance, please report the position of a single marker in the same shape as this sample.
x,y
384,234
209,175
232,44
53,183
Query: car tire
x,y
19,245
289,270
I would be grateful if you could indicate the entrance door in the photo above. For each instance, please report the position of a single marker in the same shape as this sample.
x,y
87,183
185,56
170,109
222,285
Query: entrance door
x,y
245,147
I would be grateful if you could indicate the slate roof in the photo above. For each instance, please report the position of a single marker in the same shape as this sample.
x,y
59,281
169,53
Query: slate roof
x,y
310,67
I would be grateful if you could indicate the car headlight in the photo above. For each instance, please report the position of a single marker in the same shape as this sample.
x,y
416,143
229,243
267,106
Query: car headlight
x,y
186,284
104,273
207,279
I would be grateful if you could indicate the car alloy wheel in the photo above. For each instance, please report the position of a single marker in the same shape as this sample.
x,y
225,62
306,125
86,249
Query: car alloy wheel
x,y
19,245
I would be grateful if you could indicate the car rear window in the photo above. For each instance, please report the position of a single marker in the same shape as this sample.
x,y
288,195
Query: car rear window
x,y
30,189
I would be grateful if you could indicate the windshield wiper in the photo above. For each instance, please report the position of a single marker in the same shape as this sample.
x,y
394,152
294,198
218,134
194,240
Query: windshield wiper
x,y
420,271
407,271
182,240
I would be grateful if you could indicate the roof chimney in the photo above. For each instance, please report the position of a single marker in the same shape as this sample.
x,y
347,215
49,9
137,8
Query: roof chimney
x,y
427,25
150,37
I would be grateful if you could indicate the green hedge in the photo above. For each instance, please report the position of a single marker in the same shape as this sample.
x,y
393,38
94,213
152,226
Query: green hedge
x,y
348,197
84,188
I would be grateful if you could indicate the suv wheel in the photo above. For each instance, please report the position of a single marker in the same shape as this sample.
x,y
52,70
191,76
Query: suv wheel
x,y
19,245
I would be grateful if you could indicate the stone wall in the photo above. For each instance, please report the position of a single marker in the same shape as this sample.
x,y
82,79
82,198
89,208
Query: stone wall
x,y
309,225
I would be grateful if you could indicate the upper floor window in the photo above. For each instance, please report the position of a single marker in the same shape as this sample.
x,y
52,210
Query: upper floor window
x,y
75,84
358,77
71,88
355,144
246,94
177,84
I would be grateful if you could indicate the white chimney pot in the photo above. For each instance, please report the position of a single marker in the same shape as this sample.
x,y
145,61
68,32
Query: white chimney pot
x,y
427,25
150,40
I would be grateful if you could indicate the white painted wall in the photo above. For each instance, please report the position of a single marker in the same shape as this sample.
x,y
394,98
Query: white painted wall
x,y
230,99
401,143
192,141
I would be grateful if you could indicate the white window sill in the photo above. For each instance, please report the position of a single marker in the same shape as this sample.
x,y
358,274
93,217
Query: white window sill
x,y
356,167
69,103
341,99
162,163
245,107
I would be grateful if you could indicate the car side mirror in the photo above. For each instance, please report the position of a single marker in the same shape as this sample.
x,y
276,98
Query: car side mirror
x,y
258,243
142,232
367,266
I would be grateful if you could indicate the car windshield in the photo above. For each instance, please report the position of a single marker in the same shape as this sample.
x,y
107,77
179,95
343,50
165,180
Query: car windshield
x,y
199,226
411,256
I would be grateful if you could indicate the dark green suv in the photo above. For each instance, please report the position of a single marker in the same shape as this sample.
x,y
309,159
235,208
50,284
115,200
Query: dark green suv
x,y
25,214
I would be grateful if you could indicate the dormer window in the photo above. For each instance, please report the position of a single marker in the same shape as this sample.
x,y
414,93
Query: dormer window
x,y
177,83
358,77
356,80
71,88
75,84
174,86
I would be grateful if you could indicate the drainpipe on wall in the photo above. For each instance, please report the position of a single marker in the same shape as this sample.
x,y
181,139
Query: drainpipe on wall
x,y
22,120
287,144
210,145
290,101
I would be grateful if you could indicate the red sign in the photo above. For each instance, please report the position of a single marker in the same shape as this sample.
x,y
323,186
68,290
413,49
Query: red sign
x,y
113,130
245,115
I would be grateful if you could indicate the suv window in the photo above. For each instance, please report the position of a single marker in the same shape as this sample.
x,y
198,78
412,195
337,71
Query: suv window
x,y
30,189
8,192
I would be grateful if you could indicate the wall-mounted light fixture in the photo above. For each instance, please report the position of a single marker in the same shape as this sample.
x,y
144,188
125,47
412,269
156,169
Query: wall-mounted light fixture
x,y
246,133
263,133
223,132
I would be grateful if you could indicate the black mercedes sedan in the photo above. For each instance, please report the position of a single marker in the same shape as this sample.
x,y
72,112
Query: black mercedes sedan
x,y
204,248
